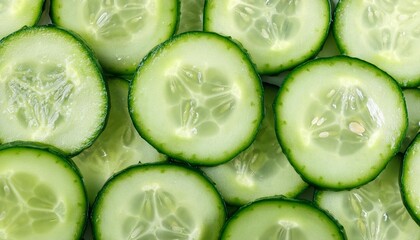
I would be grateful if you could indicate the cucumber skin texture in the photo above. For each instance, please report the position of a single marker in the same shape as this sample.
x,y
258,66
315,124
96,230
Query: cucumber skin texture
x,y
65,160
309,204
143,167
82,45
288,152
179,157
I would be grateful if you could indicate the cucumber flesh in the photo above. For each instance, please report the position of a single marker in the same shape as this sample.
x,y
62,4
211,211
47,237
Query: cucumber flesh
x,y
262,170
51,90
118,146
15,14
342,132
158,201
121,33
384,33
410,183
200,96
277,34
42,195
373,211
412,100
282,219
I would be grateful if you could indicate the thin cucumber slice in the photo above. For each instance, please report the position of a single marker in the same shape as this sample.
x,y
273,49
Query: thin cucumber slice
x,y
121,33
118,146
384,33
278,34
158,201
339,121
412,100
282,219
51,90
41,195
410,183
262,170
15,14
192,90
373,211
191,16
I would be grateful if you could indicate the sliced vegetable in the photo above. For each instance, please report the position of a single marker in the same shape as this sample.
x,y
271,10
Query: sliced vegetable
x,y
333,124
158,201
51,90
192,91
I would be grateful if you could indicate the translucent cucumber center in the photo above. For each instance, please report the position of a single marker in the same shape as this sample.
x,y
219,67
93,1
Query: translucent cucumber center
x,y
154,214
113,19
200,100
285,230
376,211
343,120
38,96
393,27
260,160
27,206
269,22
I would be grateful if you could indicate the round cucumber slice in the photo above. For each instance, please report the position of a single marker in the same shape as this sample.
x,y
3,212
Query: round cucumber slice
x,y
118,146
51,90
373,211
192,90
282,219
41,195
158,201
340,120
410,183
15,14
262,170
384,33
278,34
121,33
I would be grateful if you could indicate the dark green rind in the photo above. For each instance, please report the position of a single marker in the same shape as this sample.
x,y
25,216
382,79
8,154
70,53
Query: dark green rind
x,y
284,89
155,142
96,69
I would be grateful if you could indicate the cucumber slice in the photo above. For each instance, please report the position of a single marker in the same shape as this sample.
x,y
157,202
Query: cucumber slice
x,y
282,219
192,90
158,201
412,100
340,120
121,33
15,14
191,16
410,183
373,211
118,146
384,33
41,195
51,90
262,170
277,34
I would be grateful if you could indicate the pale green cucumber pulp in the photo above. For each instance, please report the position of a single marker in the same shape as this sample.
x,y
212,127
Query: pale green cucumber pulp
x,y
121,33
203,106
339,121
42,196
51,90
